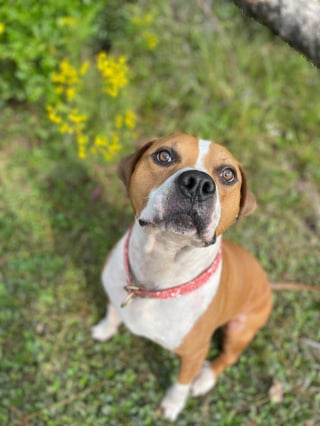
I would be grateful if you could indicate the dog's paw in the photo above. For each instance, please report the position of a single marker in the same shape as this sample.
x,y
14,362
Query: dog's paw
x,y
174,401
204,381
103,331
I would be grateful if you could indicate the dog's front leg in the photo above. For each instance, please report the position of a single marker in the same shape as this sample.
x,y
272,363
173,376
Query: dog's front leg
x,y
174,400
108,326
176,396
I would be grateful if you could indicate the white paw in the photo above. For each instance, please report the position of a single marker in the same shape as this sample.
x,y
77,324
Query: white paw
x,y
174,401
204,381
103,331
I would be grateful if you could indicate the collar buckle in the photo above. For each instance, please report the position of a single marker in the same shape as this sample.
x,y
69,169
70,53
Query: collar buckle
x,y
128,299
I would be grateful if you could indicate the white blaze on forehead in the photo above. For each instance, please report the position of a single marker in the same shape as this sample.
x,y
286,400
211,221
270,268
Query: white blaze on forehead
x,y
204,147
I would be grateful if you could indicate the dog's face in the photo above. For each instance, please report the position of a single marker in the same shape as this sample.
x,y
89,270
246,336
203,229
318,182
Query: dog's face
x,y
187,187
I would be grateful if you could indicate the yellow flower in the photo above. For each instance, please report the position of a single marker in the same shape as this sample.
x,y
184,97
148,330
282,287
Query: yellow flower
x,y
71,116
67,75
119,121
115,139
2,27
84,68
106,146
59,89
151,39
68,79
70,93
82,142
82,139
114,146
143,21
114,72
66,21
100,141
65,128
107,156
75,117
53,116
130,119
82,152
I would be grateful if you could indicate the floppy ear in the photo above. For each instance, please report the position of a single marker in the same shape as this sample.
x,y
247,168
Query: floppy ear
x,y
248,202
127,164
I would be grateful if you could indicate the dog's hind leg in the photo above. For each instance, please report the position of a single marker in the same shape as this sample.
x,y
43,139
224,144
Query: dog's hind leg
x,y
238,333
108,326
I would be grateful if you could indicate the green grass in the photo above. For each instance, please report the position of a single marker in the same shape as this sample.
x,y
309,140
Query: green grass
x,y
220,77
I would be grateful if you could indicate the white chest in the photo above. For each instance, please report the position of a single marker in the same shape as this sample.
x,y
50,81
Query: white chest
x,y
166,322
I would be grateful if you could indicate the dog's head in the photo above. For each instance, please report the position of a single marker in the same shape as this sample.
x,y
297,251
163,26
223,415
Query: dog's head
x,y
186,186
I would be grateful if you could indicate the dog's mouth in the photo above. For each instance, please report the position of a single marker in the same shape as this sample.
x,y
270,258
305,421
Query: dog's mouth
x,y
179,223
184,223
190,225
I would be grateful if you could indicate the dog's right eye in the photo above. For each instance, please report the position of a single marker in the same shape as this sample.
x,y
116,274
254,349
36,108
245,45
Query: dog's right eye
x,y
164,157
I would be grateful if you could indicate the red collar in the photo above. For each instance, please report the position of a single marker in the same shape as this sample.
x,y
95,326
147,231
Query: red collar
x,y
134,290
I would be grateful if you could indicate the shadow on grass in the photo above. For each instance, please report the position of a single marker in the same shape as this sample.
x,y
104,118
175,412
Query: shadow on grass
x,y
87,219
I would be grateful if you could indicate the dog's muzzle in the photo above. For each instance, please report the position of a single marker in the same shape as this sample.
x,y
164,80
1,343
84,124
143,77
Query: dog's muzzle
x,y
187,206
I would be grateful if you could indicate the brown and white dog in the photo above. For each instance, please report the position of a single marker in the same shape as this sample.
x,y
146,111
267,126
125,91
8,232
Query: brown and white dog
x,y
171,278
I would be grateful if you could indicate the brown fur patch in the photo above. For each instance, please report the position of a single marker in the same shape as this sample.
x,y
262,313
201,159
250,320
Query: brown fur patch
x,y
229,195
244,291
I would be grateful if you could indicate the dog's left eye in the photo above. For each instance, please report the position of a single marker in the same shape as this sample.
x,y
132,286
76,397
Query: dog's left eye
x,y
164,157
228,175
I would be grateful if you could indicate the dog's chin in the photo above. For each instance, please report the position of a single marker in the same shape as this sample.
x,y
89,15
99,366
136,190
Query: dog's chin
x,y
183,226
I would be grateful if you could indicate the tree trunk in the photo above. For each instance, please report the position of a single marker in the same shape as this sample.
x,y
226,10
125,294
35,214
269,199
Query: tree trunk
x,y
295,21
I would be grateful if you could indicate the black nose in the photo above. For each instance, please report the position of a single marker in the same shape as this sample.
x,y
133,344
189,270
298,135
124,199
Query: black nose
x,y
196,185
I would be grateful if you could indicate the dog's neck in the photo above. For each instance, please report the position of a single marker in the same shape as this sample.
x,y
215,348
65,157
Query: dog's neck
x,y
159,260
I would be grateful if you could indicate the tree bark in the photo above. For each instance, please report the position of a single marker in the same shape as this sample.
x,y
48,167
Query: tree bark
x,y
295,21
